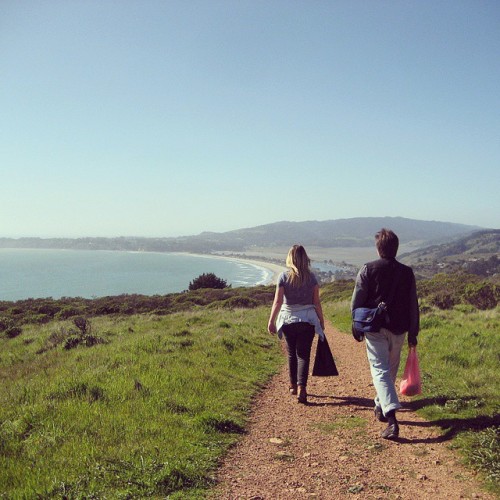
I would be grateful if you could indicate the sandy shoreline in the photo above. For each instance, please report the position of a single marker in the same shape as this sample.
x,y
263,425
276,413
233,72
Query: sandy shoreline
x,y
276,269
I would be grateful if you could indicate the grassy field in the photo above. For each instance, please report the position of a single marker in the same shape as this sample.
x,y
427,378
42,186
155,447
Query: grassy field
x,y
460,360
146,411
144,405
459,355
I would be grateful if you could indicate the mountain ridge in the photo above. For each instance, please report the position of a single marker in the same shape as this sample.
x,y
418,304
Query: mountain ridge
x,y
358,231
353,232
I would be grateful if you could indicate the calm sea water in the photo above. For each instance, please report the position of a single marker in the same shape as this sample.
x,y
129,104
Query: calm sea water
x,y
30,273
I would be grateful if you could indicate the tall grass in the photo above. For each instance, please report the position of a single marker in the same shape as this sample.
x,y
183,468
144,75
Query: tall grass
x,y
459,354
339,314
460,359
146,413
150,406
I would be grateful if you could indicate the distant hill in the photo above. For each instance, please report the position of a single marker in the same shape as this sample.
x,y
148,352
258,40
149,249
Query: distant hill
x,y
353,232
476,253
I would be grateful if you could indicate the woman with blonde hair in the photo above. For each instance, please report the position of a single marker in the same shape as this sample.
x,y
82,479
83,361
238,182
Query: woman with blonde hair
x,y
296,313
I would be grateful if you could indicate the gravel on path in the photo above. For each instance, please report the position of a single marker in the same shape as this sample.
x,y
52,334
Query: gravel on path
x,y
332,447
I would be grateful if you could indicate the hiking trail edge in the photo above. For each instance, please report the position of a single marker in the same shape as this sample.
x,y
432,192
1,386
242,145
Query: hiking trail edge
x,y
332,447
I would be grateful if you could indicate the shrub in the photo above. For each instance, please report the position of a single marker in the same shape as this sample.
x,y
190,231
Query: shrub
x,y
448,290
54,339
37,319
12,332
244,302
85,340
443,300
5,323
207,280
68,312
49,308
82,336
9,328
482,295
337,290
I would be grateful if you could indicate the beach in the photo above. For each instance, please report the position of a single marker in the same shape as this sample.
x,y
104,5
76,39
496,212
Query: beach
x,y
276,269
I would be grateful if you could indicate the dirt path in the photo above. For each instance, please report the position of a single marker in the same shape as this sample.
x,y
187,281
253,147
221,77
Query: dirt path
x,y
331,448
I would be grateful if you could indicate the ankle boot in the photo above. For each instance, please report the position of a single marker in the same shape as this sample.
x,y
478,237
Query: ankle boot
x,y
302,396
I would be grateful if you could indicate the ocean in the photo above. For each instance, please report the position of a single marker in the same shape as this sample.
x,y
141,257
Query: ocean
x,y
37,273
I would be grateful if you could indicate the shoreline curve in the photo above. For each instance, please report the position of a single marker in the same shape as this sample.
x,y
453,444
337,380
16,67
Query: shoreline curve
x,y
276,269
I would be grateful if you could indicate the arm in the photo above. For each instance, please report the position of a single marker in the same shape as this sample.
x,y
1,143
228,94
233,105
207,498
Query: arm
x,y
414,315
317,306
275,309
360,292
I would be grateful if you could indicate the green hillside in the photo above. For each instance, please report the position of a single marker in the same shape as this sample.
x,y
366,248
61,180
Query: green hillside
x,y
139,397
476,253
137,406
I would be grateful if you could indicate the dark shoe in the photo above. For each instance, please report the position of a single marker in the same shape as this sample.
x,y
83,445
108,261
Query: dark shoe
x,y
302,397
379,415
293,389
390,432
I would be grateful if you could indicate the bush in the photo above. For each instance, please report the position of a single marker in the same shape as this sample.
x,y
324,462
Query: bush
x,y
482,295
82,336
337,290
9,329
37,319
5,324
236,302
49,309
448,290
68,312
12,332
53,340
443,300
207,280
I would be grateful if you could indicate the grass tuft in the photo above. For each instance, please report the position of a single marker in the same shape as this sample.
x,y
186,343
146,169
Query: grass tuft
x,y
485,453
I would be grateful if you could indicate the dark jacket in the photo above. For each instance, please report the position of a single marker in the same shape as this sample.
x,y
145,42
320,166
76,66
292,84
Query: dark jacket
x,y
373,285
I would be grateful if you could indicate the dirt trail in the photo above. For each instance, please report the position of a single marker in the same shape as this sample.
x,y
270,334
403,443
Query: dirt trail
x,y
331,448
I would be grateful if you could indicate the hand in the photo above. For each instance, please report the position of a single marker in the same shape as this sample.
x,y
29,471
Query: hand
x,y
271,328
411,345
359,336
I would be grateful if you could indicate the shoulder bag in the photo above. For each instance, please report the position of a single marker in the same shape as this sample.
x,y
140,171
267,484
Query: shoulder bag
x,y
366,319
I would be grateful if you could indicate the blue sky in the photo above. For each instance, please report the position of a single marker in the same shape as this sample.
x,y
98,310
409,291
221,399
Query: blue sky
x,y
168,118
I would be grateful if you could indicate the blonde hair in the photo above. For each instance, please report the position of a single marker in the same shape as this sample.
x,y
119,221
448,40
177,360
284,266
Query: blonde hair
x,y
299,264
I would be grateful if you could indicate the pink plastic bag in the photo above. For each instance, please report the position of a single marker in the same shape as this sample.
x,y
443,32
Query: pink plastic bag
x,y
411,384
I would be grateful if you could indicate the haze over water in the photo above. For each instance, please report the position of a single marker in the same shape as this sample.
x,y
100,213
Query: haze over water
x,y
30,273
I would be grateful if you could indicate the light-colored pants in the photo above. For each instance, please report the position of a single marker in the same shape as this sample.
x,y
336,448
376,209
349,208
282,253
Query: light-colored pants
x,y
384,353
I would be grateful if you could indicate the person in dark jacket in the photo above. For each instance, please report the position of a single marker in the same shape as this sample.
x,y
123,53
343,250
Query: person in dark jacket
x,y
376,282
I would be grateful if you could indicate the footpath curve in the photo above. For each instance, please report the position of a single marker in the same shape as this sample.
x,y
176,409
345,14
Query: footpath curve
x,y
332,448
